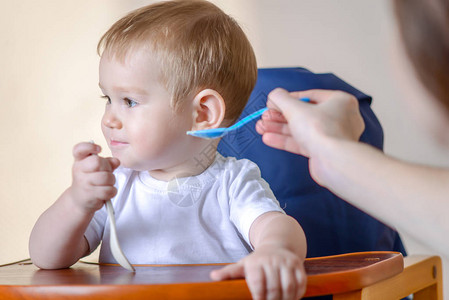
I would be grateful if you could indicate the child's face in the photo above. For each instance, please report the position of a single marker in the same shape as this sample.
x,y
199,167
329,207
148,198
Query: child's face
x,y
139,125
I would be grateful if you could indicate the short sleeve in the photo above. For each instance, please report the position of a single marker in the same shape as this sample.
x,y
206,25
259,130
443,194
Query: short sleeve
x,y
250,196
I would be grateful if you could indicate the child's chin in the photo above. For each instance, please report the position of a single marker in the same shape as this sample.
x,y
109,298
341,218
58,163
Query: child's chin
x,y
134,166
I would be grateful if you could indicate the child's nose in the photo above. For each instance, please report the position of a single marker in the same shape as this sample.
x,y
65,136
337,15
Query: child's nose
x,y
111,120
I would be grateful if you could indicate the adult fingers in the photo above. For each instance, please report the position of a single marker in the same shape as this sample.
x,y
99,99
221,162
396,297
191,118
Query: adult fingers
x,y
263,126
273,115
277,135
282,142
288,103
316,95
281,100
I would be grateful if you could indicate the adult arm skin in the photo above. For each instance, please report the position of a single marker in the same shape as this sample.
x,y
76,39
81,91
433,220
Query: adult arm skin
x,y
409,197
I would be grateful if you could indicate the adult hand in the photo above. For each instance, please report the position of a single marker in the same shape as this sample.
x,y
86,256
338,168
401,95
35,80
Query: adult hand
x,y
302,127
313,128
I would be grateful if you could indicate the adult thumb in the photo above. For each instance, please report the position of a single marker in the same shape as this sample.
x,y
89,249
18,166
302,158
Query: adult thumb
x,y
282,101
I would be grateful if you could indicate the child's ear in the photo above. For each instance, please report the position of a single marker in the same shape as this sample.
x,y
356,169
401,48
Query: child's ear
x,y
209,110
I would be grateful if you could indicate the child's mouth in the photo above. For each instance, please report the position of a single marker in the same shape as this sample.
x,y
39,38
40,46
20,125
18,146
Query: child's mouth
x,y
116,143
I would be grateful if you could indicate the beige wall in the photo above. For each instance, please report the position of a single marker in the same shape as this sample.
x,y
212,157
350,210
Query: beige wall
x,y
49,94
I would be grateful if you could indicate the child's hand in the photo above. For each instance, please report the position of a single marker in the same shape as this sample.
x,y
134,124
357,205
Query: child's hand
x,y
271,272
93,180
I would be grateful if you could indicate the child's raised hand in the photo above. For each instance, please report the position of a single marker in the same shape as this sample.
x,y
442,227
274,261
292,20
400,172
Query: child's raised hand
x,y
271,272
92,177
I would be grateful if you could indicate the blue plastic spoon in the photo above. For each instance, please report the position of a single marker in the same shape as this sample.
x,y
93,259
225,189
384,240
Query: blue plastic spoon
x,y
214,133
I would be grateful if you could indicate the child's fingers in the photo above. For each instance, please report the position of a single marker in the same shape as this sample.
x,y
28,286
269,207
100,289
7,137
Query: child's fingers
x,y
113,162
289,283
85,149
257,282
272,282
301,279
102,178
231,271
254,277
105,192
94,163
98,195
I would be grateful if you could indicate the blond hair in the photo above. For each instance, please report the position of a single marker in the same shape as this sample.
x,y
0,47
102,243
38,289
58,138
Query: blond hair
x,y
197,45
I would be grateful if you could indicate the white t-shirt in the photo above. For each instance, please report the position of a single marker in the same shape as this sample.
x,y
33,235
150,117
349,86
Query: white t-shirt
x,y
198,219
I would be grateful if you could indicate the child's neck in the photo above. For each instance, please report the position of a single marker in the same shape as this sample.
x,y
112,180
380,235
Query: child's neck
x,y
192,166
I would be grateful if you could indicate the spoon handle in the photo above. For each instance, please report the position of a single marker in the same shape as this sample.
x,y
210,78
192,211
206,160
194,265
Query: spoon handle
x,y
248,118
255,115
116,250
115,246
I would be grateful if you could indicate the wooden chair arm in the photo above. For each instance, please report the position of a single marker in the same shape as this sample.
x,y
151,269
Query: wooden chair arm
x,y
365,275
422,277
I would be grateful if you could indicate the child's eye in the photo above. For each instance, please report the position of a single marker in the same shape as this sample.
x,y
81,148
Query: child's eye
x,y
129,102
108,100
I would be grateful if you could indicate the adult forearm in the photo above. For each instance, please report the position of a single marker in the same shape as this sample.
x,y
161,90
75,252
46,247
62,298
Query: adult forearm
x,y
57,239
407,196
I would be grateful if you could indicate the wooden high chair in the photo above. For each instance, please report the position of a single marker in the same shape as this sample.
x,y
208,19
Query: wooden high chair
x,y
364,275
421,276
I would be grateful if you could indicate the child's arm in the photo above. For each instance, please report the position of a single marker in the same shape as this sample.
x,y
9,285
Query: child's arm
x,y
275,270
57,239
